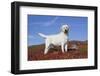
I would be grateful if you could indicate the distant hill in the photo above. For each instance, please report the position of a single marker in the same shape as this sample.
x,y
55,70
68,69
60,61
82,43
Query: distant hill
x,y
77,42
70,42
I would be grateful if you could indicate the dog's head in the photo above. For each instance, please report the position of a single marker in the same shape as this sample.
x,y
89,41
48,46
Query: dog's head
x,y
65,29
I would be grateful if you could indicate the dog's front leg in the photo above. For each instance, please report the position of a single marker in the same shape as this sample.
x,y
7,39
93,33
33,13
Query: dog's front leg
x,y
62,47
66,48
47,45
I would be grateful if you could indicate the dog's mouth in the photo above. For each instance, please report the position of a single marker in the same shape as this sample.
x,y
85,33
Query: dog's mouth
x,y
66,31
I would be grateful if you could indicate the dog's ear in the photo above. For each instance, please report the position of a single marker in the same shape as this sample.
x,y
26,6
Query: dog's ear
x,y
68,29
62,29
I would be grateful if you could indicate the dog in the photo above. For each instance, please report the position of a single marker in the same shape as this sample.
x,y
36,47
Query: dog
x,y
60,39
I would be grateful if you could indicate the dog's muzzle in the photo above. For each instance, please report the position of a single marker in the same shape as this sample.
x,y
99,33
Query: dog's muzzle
x,y
66,31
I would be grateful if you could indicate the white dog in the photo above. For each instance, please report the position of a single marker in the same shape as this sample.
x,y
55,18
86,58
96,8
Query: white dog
x,y
59,39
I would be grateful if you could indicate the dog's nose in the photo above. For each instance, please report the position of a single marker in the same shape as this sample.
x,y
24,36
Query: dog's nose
x,y
66,31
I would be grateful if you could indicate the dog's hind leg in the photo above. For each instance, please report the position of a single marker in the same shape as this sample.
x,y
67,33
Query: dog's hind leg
x,y
46,50
47,46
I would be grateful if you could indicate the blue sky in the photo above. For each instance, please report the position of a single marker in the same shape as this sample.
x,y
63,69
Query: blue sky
x,y
48,25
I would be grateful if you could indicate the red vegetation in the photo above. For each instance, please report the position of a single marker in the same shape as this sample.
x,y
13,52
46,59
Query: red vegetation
x,y
36,52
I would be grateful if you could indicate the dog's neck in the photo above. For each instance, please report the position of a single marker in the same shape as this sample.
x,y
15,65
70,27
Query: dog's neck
x,y
63,33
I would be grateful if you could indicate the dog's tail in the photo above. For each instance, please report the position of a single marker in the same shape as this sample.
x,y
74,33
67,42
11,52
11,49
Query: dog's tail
x,y
42,35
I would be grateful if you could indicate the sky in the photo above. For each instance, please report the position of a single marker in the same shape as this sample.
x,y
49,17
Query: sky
x,y
46,24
